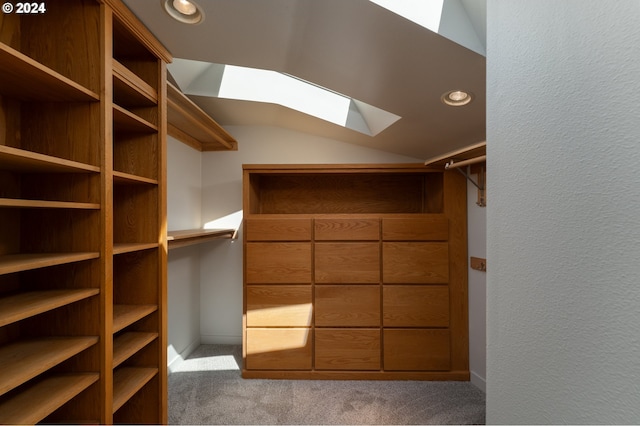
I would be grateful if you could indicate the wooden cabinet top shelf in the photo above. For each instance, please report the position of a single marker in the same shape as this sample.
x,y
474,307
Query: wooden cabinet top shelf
x,y
24,305
188,123
128,178
15,159
50,393
24,360
25,78
23,262
188,237
122,248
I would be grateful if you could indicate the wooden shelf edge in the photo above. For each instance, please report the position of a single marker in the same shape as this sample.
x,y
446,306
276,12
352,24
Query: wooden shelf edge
x,y
127,344
24,305
43,204
189,237
27,78
24,360
122,177
22,160
128,77
188,123
127,119
125,315
127,381
23,262
466,153
122,248
50,394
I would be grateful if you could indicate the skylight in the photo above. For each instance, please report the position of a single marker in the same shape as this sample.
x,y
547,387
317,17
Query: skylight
x,y
253,84
426,13
259,85
448,18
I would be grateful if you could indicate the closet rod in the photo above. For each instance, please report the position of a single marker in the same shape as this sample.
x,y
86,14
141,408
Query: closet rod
x,y
453,165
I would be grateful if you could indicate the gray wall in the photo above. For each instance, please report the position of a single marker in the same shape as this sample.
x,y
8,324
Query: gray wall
x,y
563,216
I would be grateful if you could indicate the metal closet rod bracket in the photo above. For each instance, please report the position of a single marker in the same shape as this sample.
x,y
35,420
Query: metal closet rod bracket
x,y
451,164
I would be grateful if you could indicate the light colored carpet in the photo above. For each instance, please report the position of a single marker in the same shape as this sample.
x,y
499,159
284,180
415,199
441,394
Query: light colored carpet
x,y
207,388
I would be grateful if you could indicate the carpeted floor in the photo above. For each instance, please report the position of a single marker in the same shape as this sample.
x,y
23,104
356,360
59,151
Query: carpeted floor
x,y
207,388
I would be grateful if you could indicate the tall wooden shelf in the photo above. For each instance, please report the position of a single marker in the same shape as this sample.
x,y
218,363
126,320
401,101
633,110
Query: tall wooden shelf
x,y
82,216
354,272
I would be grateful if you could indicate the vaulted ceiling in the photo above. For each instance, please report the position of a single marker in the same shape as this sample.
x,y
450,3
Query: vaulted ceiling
x,y
353,47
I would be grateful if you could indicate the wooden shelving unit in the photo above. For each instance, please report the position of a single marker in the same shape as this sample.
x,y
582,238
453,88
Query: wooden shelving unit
x,y
188,123
82,213
354,272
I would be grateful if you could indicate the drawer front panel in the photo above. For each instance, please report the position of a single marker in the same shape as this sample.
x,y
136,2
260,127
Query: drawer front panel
x,y
415,263
426,228
415,306
347,306
347,263
416,350
279,306
279,348
347,229
278,229
347,349
285,263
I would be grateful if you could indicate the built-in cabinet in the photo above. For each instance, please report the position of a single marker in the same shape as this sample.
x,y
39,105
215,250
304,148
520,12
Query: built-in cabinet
x,y
355,271
82,216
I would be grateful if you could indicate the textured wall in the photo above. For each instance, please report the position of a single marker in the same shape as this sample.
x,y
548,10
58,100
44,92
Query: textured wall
x,y
563,217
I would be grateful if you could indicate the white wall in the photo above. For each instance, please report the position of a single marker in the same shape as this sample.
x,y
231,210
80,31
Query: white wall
x,y
477,247
184,180
221,261
563,215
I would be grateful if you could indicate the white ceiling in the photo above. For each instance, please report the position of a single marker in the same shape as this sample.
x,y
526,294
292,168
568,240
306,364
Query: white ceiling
x,y
354,47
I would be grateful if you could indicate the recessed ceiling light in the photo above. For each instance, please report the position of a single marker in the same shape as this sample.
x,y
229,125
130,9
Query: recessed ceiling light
x,y
186,11
456,98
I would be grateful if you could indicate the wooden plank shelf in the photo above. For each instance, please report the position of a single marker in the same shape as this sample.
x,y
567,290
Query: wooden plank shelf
x,y
50,394
15,159
122,248
23,262
129,343
130,89
125,120
188,123
43,204
26,79
127,178
197,236
127,381
24,305
24,360
125,315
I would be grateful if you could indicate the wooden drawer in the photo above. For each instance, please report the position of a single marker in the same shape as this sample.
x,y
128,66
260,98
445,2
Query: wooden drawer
x,y
279,305
347,263
347,306
415,306
279,348
347,229
347,349
285,263
269,229
415,263
424,228
416,350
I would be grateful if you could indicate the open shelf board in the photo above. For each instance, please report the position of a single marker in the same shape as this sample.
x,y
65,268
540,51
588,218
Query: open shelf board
x,y
188,237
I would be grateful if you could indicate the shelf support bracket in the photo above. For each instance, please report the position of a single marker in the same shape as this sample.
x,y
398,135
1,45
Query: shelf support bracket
x,y
482,202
